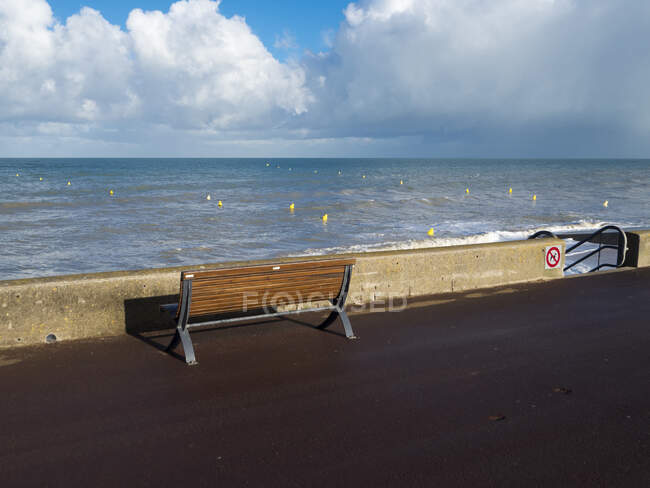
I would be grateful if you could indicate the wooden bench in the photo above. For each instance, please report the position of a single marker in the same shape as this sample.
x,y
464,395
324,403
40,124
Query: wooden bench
x,y
217,296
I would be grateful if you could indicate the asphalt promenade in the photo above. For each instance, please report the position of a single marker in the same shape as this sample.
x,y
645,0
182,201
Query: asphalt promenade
x,y
544,384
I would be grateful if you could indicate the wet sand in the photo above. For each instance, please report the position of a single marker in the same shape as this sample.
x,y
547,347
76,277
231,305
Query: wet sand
x,y
536,385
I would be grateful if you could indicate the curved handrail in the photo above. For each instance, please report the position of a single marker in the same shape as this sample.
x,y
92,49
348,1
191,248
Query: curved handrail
x,y
540,233
622,249
600,231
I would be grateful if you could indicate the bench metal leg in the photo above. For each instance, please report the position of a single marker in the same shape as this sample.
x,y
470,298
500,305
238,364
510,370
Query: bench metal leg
x,y
339,313
183,336
339,303
349,333
188,348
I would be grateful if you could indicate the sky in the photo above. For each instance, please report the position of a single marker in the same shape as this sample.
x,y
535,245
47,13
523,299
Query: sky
x,y
375,78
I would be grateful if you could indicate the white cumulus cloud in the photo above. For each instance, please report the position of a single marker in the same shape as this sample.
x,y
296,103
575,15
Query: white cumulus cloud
x,y
190,69
75,72
405,77
203,70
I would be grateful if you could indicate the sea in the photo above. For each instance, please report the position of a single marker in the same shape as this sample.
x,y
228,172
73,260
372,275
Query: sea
x,y
58,216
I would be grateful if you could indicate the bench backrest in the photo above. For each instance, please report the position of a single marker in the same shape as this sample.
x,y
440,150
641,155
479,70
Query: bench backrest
x,y
230,290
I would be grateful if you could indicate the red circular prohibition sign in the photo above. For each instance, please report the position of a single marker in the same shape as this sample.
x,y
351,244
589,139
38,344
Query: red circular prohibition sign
x,y
553,257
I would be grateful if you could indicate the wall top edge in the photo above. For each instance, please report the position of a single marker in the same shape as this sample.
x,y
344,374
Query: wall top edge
x,y
148,272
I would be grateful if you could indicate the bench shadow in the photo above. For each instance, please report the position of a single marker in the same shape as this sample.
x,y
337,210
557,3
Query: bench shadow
x,y
146,322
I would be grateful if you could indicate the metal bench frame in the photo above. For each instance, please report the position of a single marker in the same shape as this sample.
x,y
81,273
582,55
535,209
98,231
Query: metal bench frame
x,y
183,325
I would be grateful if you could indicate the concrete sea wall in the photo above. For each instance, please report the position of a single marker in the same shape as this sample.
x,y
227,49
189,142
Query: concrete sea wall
x,y
115,303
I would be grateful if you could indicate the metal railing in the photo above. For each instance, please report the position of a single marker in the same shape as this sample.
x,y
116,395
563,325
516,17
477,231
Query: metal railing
x,y
616,241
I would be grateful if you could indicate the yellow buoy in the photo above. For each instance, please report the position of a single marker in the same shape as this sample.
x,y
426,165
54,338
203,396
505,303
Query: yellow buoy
x,y
401,182
268,164
325,218
606,203
220,204
40,179
510,191
534,197
364,177
69,183
17,174
111,193
292,206
208,197
467,190
431,232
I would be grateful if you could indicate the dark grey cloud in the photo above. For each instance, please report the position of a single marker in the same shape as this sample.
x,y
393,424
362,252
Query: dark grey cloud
x,y
500,77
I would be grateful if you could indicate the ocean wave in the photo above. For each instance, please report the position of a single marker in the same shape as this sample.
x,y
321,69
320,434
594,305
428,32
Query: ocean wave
x,y
484,238
432,201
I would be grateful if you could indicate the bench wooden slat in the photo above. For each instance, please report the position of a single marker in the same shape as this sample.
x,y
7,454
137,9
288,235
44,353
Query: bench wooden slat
x,y
221,302
198,318
217,306
270,275
238,303
233,309
198,292
267,268
260,287
287,296
215,287
269,299
333,286
261,280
